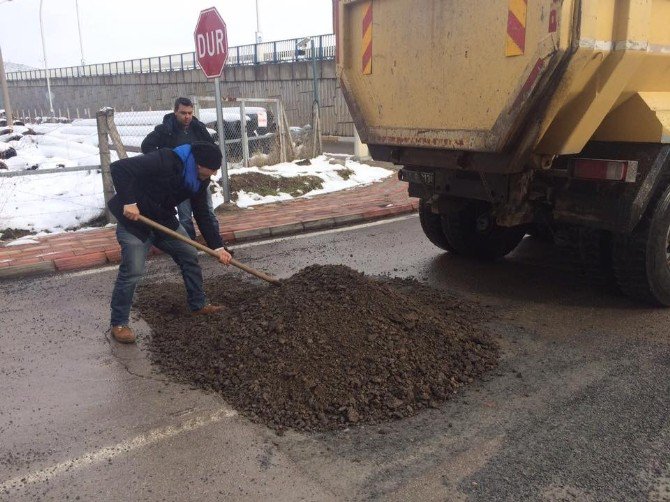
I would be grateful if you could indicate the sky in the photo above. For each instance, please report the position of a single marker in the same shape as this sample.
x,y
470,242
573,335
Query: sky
x,y
117,30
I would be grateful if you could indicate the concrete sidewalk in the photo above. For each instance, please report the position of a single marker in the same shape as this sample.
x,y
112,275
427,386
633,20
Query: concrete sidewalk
x,y
85,249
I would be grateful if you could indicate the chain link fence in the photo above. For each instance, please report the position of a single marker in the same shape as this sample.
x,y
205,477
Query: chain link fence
x,y
50,159
256,129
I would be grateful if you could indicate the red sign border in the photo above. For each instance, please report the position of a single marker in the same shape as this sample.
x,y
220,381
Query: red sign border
x,y
195,39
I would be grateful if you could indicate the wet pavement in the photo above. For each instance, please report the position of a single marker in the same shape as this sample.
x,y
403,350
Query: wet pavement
x,y
578,408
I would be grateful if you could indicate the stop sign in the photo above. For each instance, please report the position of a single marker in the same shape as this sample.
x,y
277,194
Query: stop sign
x,y
211,42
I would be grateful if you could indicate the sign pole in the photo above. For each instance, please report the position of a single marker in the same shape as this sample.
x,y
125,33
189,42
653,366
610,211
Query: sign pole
x,y
222,141
5,95
211,48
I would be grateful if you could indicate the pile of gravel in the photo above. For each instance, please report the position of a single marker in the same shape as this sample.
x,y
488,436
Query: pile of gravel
x,y
329,348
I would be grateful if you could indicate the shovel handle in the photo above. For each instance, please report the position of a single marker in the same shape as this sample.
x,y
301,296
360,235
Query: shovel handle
x,y
209,251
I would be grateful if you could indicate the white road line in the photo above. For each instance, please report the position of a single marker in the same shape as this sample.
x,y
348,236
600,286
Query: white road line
x,y
324,232
109,452
92,271
273,241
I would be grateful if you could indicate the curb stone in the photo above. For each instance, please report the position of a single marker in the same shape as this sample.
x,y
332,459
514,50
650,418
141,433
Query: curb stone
x,y
101,255
43,268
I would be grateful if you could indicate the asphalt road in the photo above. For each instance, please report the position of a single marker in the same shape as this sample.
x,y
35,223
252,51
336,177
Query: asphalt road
x,y
579,408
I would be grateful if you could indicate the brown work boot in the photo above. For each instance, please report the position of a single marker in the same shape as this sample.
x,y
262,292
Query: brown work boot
x,y
123,334
209,309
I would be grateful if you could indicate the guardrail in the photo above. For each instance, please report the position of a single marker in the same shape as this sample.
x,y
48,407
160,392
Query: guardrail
x,y
282,51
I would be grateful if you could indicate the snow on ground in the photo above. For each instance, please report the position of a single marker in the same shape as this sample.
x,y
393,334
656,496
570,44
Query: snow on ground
x,y
323,167
50,202
55,202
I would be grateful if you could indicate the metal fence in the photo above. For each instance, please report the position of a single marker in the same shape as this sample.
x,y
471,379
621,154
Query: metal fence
x,y
33,192
281,51
256,129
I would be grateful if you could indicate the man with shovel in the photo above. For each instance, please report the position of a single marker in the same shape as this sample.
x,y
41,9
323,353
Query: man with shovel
x,y
152,185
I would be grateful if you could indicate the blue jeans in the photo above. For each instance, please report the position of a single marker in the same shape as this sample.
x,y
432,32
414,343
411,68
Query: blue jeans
x,y
185,212
133,260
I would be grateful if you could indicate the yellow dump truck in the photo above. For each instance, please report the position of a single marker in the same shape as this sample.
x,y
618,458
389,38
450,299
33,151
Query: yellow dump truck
x,y
548,117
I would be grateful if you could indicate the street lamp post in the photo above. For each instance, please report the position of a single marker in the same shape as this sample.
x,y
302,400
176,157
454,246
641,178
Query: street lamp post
x,y
259,35
5,90
81,45
46,66
316,119
316,87
5,94
303,44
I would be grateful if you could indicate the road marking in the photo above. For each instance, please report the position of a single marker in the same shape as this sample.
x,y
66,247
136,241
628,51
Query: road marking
x,y
93,271
109,452
304,235
325,232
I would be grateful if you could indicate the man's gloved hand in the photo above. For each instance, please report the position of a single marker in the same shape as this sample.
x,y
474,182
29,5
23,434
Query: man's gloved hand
x,y
224,256
131,212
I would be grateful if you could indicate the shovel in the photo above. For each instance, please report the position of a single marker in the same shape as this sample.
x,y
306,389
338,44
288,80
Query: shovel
x,y
197,245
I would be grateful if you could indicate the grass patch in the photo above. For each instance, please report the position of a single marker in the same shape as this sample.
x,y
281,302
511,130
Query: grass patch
x,y
10,234
264,184
345,173
98,221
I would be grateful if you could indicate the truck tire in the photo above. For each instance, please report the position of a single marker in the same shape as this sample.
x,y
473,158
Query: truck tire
x,y
472,232
431,224
641,259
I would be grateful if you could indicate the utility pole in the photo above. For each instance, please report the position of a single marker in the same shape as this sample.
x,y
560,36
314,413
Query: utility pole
x,y
46,66
259,35
81,44
316,86
5,94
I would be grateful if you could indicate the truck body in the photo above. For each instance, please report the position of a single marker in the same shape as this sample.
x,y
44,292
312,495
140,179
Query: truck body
x,y
550,117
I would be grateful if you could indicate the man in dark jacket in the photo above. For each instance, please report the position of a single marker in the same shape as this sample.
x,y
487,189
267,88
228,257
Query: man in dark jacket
x,y
152,185
180,128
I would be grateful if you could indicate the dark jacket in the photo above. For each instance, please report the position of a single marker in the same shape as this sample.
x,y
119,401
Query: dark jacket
x,y
154,182
165,134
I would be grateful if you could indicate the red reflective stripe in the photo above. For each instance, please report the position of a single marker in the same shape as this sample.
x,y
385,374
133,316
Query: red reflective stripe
x,y
367,20
529,84
367,56
517,31
553,20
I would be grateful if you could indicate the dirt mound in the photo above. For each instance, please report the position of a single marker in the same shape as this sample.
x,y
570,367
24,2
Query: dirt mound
x,y
329,348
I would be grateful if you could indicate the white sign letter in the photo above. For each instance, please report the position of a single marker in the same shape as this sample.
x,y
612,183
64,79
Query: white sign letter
x,y
210,43
201,45
219,42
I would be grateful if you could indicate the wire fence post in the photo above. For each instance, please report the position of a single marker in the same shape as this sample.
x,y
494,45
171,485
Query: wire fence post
x,y
280,132
105,161
245,138
221,128
317,149
114,134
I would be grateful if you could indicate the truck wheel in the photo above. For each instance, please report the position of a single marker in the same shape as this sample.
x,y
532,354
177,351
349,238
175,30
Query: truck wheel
x,y
431,224
641,259
472,232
